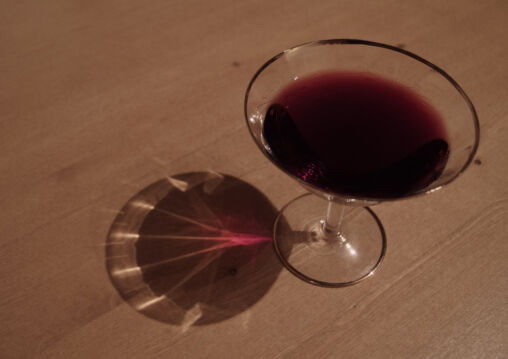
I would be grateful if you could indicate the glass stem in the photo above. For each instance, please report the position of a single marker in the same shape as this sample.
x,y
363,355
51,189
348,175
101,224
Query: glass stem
x,y
334,215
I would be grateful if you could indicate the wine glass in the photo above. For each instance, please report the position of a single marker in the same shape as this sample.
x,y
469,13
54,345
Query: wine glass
x,y
356,123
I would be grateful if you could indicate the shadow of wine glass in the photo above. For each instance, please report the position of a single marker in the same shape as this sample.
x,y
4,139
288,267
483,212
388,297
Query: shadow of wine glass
x,y
193,249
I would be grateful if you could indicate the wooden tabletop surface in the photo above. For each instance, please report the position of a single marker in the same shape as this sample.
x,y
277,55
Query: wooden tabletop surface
x,y
104,105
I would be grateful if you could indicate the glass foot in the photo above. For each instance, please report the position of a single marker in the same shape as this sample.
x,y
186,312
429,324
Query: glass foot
x,y
324,258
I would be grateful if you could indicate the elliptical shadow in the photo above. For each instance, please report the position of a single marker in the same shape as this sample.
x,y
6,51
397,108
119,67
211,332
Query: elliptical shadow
x,y
193,249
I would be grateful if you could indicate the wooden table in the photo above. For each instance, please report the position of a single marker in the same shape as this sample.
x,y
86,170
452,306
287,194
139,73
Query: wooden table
x,y
101,99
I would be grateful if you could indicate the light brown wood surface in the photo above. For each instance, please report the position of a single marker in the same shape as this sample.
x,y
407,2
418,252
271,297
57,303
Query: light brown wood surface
x,y
99,99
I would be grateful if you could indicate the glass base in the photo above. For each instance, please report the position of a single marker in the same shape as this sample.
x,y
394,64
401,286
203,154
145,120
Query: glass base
x,y
324,258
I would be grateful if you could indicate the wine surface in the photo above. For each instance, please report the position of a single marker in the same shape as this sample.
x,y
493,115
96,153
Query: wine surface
x,y
356,134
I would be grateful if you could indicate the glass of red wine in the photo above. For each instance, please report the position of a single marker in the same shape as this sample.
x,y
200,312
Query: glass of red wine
x,y
356,123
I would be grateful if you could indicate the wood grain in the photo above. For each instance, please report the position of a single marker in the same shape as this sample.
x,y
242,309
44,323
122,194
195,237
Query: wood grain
x,y
99,99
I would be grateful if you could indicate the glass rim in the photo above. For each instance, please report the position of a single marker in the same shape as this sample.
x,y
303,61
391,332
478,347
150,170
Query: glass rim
x,y
387,47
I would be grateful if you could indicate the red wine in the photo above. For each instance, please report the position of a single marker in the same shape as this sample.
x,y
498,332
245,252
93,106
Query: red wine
x,y
356,134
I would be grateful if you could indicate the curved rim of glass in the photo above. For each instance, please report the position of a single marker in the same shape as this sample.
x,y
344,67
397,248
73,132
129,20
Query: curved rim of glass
x,y
387,47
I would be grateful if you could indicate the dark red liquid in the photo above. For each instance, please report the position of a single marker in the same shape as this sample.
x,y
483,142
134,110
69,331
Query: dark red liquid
x,y
356,134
